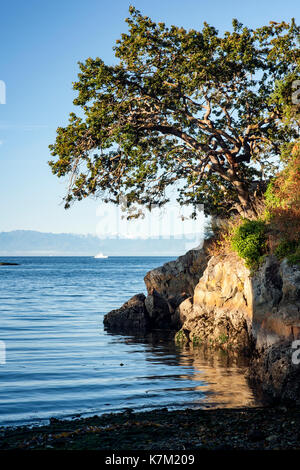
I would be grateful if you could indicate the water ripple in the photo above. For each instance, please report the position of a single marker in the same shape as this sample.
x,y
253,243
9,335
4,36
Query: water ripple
x,y
61,362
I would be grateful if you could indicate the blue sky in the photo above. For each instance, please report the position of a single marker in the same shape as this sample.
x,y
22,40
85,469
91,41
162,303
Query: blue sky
x,y
41,43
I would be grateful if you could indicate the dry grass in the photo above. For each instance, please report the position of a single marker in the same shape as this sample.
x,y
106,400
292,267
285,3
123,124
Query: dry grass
x,y
223,230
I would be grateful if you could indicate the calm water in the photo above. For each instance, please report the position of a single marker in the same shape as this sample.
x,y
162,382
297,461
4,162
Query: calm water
x,y
60,361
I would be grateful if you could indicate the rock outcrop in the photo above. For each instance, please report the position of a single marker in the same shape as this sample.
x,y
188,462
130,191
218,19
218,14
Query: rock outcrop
x,y
218,303
235,310
275,372
276,302
275,367
168,286
220,311
179,277
131,317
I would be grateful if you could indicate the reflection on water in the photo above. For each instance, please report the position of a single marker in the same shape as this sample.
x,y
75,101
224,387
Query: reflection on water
x,y
61,362
218,377
225,383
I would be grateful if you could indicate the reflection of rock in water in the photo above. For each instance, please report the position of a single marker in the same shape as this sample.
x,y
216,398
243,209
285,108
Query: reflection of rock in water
x,y
218,374
223,376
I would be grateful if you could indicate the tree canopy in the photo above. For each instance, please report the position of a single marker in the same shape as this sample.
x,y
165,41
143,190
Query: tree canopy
x,y
192,110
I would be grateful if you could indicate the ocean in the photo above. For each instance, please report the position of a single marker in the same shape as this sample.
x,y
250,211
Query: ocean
x,y
60,362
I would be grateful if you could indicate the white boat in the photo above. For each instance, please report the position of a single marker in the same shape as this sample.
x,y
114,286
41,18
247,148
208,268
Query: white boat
x,y
100,255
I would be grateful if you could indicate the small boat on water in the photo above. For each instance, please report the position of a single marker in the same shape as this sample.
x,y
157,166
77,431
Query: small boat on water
x,y
100,255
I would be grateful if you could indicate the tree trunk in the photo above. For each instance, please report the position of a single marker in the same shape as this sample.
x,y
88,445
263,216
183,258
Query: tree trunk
x,y
247,207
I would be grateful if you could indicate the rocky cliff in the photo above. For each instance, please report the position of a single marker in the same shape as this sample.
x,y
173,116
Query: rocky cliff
x,y
220,311
214,301
167,286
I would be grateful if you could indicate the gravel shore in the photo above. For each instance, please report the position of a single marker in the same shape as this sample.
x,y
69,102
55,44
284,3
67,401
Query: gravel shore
x,y
265,428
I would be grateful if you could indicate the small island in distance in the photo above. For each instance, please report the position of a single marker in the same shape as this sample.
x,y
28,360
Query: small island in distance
x,y
8,264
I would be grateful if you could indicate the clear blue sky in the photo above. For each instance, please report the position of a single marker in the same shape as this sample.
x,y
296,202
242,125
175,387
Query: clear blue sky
x,y
41,42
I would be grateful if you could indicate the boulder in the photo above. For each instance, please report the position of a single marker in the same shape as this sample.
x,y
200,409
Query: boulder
x,y
158,310
167,286
131,317
179,277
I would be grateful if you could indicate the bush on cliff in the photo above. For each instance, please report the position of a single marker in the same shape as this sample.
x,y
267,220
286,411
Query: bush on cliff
x,y
277,231
283,207
249,241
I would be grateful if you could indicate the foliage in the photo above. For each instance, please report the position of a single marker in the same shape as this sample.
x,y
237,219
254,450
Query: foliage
x,y
294,258
272,199
277,231
249,241
283,206
192,109
180,337
285,248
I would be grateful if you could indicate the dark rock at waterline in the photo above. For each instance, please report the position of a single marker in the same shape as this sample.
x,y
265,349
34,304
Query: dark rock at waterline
x,y
9,264
275,372
168,286
143,314
158,310
131,317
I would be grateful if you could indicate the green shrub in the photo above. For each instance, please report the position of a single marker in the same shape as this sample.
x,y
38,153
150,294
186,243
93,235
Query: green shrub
x,y
294,258
271,198
180,337
249,241
286,248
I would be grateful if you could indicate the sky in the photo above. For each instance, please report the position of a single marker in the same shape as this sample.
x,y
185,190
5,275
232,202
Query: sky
x,y
41,43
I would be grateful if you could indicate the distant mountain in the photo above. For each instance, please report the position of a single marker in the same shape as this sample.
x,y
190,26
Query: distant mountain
x,y
32,243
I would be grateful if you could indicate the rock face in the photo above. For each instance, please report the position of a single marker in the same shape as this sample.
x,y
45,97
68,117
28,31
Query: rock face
x,y
142,314
178,277
231,309
274,366
275,374
276,302
158,310
219,313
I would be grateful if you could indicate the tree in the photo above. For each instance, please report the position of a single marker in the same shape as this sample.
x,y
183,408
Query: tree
x,y
187,109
